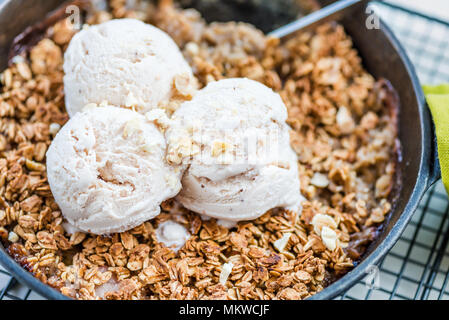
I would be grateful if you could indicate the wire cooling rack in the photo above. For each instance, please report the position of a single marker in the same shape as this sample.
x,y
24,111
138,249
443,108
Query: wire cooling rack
x,y
418,265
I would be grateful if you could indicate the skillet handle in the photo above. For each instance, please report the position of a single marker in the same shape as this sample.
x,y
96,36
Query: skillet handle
x,y
434,165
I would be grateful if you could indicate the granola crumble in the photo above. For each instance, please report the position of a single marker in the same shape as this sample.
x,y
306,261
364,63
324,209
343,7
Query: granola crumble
x,y
344,133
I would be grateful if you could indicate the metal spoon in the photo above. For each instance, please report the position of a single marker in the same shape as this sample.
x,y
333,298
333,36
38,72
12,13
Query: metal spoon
x,y
331,12
266,15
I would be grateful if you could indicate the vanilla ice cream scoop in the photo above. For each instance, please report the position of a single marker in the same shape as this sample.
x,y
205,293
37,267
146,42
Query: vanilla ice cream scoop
x,y
124,62
234,141
107,170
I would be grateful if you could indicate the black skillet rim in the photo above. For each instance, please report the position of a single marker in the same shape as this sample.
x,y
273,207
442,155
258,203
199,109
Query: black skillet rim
x,y
358,272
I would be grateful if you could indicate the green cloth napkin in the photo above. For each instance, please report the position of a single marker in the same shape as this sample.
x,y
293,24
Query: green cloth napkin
x,y
438,101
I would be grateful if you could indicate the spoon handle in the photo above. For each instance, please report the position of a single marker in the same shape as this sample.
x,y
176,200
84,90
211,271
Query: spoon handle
x,y
330,12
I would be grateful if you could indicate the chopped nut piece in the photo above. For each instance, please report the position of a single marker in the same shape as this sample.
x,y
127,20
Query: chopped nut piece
x,y
344,120
182,148
24,70
226,270
329,238
132,127
319,180
54,128
281,243
34,166
39,151
131,101
184,86
13,237
159,117
192,49
322,220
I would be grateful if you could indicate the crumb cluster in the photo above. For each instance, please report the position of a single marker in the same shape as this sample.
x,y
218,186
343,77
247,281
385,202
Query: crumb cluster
x,y
344,132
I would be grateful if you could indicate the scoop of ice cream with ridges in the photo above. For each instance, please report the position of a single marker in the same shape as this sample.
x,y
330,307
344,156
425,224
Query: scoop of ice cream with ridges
x,y
234,141
107,170
126,63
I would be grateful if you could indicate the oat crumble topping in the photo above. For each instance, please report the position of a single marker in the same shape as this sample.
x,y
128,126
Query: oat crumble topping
x,y
344,132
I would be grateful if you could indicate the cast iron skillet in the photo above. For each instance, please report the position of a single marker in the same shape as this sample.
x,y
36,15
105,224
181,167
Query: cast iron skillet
x,y
383,57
